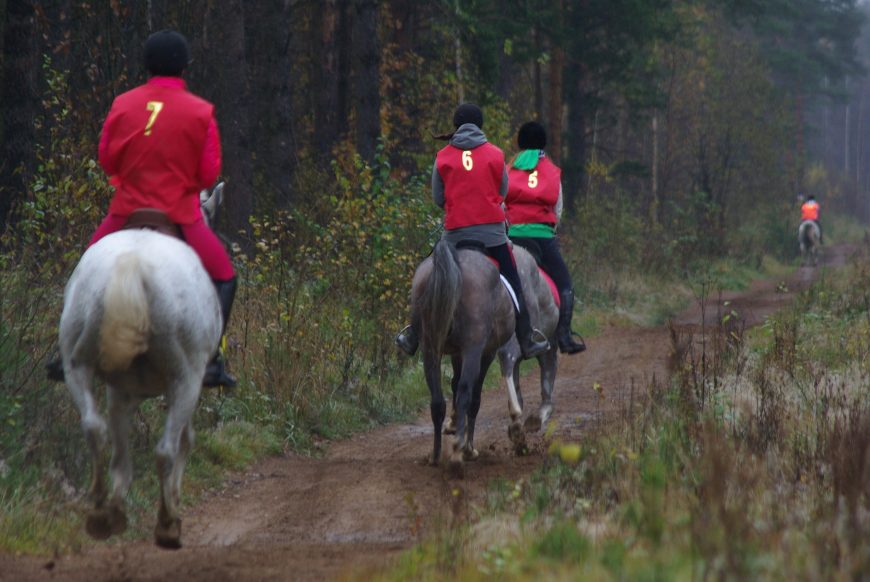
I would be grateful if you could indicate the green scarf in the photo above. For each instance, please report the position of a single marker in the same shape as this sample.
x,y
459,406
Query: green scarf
x,y
527,159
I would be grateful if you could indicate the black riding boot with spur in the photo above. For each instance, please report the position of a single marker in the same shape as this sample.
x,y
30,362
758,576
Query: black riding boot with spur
x,y
530,347
215,372
408,340
564,335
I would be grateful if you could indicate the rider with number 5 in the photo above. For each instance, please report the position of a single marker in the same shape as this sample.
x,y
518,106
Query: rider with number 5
x,y
160,146
534,206
469,180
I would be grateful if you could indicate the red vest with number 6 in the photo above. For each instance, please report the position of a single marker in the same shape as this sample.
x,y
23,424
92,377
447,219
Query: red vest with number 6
x,y
810,210
472,185
156,139
533,194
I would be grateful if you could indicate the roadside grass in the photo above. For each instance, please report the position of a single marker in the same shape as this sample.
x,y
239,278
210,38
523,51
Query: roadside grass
x,y
752,463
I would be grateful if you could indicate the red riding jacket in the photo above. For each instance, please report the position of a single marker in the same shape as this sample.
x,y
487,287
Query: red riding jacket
x,y
160,146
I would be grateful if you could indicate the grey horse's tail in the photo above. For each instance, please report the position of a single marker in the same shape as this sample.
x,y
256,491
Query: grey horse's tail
x,y
440,297
126,321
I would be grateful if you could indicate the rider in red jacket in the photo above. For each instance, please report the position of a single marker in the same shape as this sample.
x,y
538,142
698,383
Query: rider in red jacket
x,y
469,181
160,146
534,206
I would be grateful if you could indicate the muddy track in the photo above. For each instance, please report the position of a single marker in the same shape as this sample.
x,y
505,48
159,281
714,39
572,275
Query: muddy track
x,y
371,496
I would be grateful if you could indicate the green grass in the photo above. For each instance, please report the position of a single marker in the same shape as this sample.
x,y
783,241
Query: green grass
x,y
763,479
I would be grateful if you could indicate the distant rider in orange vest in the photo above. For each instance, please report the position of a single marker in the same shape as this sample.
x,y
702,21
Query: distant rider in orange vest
x,y
810,211
469,181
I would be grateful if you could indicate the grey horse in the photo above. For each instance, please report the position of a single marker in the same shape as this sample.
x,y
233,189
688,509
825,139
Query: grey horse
x,y
141,313
464,311
808,238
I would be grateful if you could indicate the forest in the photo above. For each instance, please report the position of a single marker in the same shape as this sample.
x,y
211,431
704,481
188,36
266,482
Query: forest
x,y
688,132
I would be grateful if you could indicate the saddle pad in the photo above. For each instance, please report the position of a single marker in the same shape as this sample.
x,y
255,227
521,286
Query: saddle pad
x,y
513,295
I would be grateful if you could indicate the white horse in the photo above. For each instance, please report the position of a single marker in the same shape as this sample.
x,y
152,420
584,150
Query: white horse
x,y
141,313
808,238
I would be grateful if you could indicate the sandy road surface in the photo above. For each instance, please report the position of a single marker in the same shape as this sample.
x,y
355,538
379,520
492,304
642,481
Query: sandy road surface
x,y
370,496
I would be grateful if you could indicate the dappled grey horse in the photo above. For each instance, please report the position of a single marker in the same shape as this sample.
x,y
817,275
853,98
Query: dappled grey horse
x,y
808,238
141,313
462,310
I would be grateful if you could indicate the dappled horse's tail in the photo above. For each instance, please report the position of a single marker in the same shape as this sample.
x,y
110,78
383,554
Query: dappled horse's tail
x,y
126,323
441,296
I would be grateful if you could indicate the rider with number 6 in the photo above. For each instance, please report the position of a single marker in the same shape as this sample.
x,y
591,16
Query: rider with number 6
x,y
469,180
160,147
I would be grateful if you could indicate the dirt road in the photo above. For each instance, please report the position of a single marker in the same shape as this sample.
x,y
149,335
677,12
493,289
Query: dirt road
x,y
370,497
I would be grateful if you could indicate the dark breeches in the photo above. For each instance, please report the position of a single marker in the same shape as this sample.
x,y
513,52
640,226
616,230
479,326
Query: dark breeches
x,y
547,250
507,266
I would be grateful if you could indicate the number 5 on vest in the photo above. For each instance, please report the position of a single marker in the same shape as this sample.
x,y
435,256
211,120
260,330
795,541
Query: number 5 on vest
x,y
154,107
467,162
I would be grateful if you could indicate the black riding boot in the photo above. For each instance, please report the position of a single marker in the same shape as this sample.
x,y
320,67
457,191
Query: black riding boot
x,y
54,368
408,340
529,347
564,336
215,372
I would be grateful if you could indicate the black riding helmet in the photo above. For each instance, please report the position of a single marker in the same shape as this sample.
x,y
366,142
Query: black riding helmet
x,y
468,113
532,136
166,54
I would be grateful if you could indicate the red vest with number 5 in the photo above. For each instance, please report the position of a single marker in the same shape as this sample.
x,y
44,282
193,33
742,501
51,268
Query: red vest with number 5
x,y
532,195
156,139
472,185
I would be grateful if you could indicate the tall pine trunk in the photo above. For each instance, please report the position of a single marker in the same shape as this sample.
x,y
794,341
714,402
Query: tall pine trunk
x,y
367,78
20,97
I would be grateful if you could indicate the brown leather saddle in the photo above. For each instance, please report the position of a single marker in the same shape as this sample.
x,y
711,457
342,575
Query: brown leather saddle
x,y
153,219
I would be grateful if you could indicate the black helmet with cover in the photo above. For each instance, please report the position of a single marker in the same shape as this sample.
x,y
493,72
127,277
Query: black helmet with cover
x,y
166,54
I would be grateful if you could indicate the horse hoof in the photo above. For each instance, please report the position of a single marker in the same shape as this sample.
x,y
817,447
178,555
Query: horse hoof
x,y
103,523
449,427
533,423
471,454
168,536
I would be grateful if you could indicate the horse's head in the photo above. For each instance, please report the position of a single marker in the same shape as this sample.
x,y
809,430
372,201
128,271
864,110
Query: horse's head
x,y
210,202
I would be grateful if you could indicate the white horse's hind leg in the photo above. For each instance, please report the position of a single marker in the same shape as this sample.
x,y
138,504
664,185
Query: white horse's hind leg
x,y
78,382
171,454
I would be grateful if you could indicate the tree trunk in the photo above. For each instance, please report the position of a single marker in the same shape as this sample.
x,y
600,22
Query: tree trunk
x,y
326,77
232,97
269,33
557,64
20,97
367,78
573,164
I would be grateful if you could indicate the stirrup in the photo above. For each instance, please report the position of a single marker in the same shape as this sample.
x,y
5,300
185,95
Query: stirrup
x,y
403,341
571,349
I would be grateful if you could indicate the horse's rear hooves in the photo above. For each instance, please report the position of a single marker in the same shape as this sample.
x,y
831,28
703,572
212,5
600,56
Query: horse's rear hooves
x,y
533,423
103,523
168,537
470,454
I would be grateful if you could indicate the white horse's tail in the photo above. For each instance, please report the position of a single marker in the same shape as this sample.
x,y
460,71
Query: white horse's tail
x,y
126,322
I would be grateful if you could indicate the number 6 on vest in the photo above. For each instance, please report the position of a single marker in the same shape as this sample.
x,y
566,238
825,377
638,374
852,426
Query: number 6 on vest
x,y
467,162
